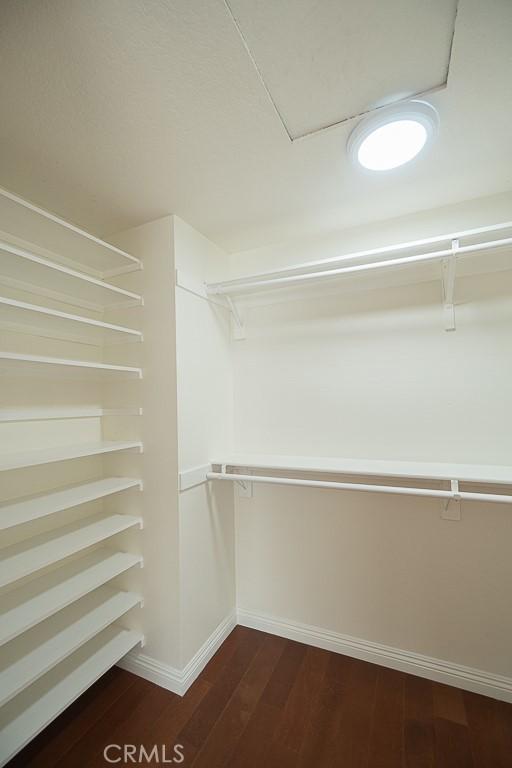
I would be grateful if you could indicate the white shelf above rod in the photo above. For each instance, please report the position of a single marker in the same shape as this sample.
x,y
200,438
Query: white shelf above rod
x,y
368,487
314,271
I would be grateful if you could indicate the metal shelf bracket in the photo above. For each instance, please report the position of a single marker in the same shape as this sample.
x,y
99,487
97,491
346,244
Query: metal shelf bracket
x,y
238,322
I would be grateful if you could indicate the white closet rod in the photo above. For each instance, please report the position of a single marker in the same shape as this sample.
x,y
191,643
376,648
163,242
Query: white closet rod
x,y
400,490
383,250
247,284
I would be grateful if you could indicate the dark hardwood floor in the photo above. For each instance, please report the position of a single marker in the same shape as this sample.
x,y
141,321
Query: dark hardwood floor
x,y
266,702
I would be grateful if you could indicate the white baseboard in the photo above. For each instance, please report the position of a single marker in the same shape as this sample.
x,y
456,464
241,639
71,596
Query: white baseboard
x,y
173,679
476,680
178,681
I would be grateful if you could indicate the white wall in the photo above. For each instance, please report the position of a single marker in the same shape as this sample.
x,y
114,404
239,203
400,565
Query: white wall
x,y
373,374
205,428
187,396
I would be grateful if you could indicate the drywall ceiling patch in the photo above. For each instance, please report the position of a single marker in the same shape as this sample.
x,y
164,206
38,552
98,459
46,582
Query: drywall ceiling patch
x,y
325,64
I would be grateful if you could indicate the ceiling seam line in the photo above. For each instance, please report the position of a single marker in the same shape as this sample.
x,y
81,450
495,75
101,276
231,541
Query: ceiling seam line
x,y
257,69
452,41
331,126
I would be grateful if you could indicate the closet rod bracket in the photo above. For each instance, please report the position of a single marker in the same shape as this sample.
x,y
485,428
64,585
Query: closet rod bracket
x,y
244,489
238,322
451,507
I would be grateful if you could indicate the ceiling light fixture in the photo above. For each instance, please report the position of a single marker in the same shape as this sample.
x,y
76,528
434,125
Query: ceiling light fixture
x,y
393,136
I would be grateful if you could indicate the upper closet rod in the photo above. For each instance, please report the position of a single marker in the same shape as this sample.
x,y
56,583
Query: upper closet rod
x,y
249,284
384,250
401,490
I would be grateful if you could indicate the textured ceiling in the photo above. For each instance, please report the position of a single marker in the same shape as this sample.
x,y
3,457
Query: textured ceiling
x,y
115,112
323,63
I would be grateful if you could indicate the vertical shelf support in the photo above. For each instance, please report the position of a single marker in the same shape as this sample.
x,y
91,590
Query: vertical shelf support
x,y
449,266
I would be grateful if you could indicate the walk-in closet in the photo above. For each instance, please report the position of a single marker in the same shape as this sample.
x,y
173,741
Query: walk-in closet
x,y
255,384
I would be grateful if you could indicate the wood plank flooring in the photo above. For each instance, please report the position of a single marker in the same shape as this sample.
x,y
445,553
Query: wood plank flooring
x,y
266,702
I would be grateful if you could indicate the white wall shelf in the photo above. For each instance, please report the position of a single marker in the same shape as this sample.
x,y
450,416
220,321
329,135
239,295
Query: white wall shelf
x,y
455,244
16,363
35,652
57,235
26,606
20,560
454,473
33,709
444,252
41,276
30,508
64,412
20,316
471,473
62,453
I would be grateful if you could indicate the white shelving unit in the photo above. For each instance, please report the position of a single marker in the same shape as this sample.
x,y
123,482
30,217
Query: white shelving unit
x,y
32,603
63,453
34,708
39,321
20,560
41,648
34,507
21,219
43,277
17,363
69,412
62,606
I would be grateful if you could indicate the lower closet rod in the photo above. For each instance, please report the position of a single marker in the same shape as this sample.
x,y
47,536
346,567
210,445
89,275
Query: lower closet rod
x,y
439,494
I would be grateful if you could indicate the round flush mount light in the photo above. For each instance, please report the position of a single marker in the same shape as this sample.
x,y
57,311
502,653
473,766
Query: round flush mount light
x,y
393,136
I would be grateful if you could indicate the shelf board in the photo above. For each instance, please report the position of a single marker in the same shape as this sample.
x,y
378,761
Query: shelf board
x,y
15,363
20,560
427,252
34,653
36,274
33,709
63,453
61,237
471,473
24,607
64,412
35,507
20,316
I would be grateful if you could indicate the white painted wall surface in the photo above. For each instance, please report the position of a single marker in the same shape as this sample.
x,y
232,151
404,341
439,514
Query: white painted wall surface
x,y
187,396
205,428
373,374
